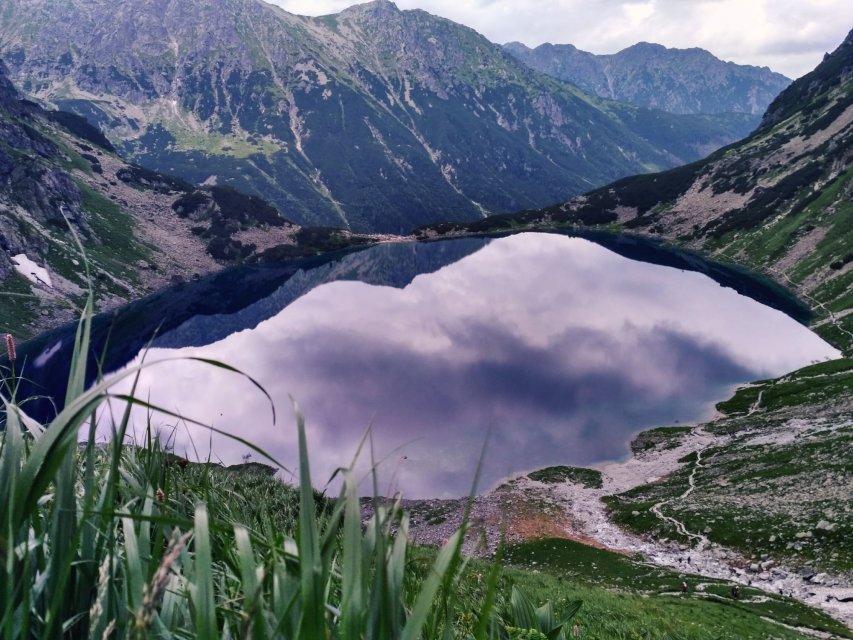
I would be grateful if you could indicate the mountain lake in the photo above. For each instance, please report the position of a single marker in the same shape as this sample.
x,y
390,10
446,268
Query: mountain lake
x,y
547,348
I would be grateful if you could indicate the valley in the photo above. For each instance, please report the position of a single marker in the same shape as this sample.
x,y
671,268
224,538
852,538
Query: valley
x,y
356,212
778,202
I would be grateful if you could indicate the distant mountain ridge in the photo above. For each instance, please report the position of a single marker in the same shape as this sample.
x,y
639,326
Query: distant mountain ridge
x,y
657,77
373,119
779,202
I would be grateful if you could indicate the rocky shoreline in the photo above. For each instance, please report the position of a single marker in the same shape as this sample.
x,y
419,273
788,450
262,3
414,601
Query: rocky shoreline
x,y
525,509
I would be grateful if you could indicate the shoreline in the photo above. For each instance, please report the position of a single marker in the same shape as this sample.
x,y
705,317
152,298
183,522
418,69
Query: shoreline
x,y
530,510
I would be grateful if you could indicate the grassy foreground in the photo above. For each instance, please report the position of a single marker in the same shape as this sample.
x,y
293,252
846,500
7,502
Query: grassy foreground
x,y
122,542
128,541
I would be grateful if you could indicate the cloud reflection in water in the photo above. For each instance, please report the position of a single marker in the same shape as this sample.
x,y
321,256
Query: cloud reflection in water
x,y
559,347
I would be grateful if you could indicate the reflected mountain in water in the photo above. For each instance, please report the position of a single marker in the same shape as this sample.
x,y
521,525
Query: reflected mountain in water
x,y
557,347
205,311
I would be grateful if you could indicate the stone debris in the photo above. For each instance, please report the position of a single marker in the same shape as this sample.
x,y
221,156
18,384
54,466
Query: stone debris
x,y
527,510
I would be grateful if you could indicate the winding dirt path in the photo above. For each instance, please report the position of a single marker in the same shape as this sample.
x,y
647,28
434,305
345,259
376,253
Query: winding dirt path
x,y
691,487
830,315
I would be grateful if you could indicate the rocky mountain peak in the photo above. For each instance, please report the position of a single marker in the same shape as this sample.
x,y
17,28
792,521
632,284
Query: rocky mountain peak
x,y
371,10
374,5
650,75
658,52
519,47
371,119
646,47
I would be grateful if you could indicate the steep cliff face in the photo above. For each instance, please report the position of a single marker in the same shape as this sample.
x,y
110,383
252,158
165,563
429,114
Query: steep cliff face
x,y
10,100
372,119
650,75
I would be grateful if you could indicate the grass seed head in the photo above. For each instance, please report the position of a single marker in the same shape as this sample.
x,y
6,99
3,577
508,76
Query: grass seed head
x,y
97,608
10,347
154,590
109,630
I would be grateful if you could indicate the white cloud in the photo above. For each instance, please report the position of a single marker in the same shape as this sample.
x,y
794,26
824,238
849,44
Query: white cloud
x,y
789,36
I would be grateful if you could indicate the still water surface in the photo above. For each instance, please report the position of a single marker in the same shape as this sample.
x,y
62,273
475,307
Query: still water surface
x,y
556,346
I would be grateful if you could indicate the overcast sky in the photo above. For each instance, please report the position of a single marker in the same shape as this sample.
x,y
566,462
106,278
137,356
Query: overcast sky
x,y
789,36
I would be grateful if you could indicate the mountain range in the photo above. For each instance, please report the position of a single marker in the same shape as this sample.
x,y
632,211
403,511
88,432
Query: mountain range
x,y
778,202
775,201
373,119
651,75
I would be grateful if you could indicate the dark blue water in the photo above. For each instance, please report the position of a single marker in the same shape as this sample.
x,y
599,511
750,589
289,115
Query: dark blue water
x,y
558,347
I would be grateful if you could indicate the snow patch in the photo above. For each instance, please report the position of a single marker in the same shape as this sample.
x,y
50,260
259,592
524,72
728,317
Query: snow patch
x,y
47,355
30,270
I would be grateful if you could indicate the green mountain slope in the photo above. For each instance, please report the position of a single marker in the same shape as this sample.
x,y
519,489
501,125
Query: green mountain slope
x,y
777,484
62,181
372,119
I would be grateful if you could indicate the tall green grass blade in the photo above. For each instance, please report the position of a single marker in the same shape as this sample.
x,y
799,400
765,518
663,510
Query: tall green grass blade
x,y
10,454
27,579
87,542
424,602
251,581
47,455
353,607
107,497
62,471
133,565
205,605
287,598
481,632
28,425
447,595
249,578
80,352
312,622
396,573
